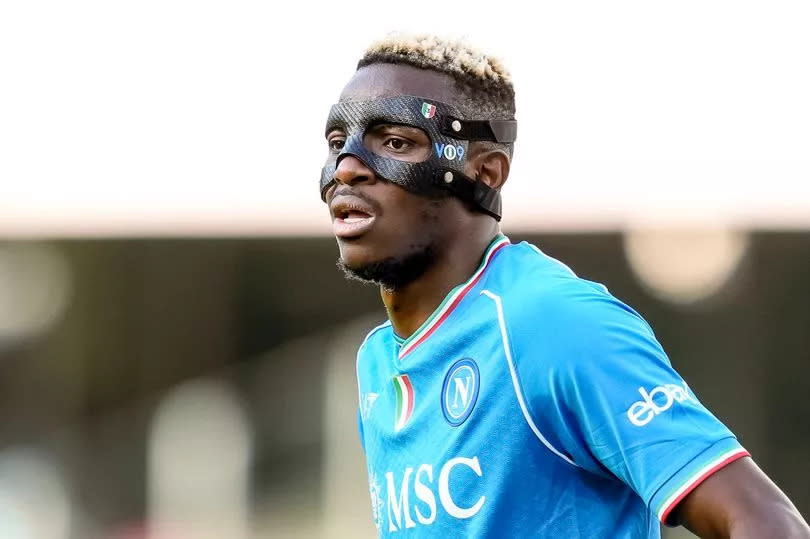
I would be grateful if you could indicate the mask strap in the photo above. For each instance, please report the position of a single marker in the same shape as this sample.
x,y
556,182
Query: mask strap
x,y
503,131
475,192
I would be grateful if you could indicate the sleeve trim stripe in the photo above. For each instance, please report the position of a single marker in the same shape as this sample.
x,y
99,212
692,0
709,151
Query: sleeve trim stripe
x,y
515,384
696,479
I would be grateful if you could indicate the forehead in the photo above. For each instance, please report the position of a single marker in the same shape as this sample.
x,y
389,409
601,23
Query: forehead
x,y
388,80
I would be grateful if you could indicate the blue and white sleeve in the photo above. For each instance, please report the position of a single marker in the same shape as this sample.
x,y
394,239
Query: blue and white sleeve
x,y
600,385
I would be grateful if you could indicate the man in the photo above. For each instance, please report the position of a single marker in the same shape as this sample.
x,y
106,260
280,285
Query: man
x,y
505,397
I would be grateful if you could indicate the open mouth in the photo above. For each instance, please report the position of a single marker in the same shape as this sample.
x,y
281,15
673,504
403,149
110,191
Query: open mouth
x,y
352,216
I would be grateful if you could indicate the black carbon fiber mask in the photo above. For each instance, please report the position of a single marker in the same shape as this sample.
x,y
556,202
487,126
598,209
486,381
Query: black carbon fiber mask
x,y
442,172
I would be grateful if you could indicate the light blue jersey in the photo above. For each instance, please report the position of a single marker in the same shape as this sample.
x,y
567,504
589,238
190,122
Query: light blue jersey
x,y
532,403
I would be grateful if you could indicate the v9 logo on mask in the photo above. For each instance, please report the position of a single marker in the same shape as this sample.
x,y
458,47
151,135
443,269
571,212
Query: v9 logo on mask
x,y
448,151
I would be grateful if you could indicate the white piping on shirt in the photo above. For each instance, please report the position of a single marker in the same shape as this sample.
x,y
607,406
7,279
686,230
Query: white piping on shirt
x,y
515,384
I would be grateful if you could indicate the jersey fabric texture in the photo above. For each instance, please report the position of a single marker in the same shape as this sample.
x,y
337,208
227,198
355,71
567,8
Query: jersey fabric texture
x,y
532,403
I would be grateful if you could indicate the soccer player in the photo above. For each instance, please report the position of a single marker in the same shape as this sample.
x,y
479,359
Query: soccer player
x,y
505,396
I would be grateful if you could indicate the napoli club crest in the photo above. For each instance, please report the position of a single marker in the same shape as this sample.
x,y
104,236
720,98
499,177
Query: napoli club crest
x,y
460,391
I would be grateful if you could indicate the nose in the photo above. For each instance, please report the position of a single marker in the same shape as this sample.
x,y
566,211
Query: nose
x,y
351,170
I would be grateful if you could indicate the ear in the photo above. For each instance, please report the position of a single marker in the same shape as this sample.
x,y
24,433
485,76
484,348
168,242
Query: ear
x,y
491,167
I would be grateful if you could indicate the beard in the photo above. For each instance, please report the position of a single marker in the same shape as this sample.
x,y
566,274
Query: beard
x,y
392,273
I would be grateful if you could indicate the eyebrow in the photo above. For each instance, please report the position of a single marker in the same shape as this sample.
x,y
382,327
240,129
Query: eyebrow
x,y
334,126
385,123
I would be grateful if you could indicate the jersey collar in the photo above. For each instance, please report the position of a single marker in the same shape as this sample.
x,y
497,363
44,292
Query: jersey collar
x,y
450,301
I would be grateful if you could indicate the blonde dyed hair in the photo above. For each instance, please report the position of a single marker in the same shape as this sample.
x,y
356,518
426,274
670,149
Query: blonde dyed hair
x,y
454,57
483,81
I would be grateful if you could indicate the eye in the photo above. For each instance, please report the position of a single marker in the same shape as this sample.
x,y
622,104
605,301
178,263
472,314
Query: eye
x,y
336,144
396,144
400,142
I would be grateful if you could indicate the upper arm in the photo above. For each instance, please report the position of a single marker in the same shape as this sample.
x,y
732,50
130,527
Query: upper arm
x,y
603,391
740,501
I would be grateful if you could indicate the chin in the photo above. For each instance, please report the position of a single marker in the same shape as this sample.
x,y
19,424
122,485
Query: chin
x,y
385,269
358,252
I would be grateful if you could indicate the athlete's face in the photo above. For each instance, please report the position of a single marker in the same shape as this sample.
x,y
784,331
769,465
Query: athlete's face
x,y
387,234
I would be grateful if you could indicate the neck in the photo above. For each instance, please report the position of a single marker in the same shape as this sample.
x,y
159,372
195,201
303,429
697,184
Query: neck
x,y
408,307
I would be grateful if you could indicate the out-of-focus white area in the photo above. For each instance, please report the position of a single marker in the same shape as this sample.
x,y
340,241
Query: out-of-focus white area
x,y
35,289
34,501
199,457
684,266
179,117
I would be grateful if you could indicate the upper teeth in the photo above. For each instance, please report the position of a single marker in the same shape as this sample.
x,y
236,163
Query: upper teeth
x,y
353,214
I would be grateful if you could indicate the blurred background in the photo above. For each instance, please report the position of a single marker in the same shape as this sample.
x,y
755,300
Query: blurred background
x,y
176,345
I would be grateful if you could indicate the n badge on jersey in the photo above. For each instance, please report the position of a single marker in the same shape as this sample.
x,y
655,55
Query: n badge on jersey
x,y
460,391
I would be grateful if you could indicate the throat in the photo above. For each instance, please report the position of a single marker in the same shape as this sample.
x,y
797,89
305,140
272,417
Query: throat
x,y
407,314
409,307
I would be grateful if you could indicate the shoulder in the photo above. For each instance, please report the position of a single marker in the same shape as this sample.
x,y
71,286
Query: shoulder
x,y
376,339
534,286
544,305
376,334
380,338
523,270
375,342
